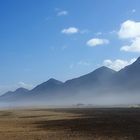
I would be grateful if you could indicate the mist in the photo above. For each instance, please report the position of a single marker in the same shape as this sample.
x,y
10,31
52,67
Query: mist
x,y
79,100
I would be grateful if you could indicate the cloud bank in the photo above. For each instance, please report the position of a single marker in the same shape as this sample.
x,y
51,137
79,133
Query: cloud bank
x,y
130,30
62,13
118,64
97,41
70,30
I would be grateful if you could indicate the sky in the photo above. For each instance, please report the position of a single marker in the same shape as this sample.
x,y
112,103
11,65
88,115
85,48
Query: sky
x,y
64,39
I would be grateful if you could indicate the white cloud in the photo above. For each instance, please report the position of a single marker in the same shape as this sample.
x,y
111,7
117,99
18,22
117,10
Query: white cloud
x,y
70,30
97,41
118,64
133,47
62,13
129,29
25,85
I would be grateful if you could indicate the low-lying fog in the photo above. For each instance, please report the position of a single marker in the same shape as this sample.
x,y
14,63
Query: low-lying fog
x,y
106,99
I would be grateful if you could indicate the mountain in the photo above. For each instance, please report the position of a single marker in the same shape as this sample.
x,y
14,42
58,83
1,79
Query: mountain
x,y
54,89
92,79
128,78
100,82
48,86
45,90
89,82
14,95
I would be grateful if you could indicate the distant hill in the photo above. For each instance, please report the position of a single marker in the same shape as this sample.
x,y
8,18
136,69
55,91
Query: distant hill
x,y
48,86
100,82
14,95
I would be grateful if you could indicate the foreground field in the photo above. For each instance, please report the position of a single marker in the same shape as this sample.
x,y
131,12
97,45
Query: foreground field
x,y
70,124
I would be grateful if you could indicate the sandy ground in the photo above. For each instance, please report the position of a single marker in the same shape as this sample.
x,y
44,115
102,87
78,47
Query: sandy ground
x,y
70,124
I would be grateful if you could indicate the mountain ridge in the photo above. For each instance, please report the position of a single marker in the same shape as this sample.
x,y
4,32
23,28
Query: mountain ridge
x,y
101,81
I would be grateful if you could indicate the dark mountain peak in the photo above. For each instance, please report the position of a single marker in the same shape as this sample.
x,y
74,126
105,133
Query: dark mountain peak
x,y
17,93
104,69
129,76
99,75
137,61
133,68
48,85
53,81
21,90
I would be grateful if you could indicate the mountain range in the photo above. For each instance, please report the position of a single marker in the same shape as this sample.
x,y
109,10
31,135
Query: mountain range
x,y
99,83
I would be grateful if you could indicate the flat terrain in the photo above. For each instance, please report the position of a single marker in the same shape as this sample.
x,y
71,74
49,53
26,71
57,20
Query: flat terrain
x,y
70,124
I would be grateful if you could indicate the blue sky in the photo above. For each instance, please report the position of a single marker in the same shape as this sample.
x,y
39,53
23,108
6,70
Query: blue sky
x,y
63,39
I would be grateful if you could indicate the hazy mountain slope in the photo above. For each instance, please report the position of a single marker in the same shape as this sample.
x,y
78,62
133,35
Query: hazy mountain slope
x,y
48,86
101,81
128,78
14,95
89,82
